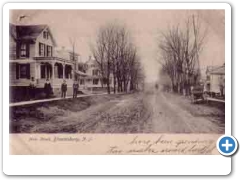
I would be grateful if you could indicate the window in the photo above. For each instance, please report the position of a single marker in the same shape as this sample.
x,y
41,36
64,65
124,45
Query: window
x,y
23,71
208,78
105,81
41,49
49,51
45,35
71,57
221,80
95,72
23,50
81,81
95,81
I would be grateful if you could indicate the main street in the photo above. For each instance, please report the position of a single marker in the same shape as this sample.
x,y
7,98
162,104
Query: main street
x,y
149,112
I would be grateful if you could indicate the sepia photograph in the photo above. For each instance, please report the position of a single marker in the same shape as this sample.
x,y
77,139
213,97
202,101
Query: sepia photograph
x,y
116,81
108,83
117,71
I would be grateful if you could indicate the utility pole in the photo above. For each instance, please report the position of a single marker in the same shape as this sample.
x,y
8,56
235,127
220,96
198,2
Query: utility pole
x,y
196,47
72,41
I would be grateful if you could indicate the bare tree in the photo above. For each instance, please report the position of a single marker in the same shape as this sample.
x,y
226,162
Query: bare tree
x,y
103,51
137,76
115,55
180,49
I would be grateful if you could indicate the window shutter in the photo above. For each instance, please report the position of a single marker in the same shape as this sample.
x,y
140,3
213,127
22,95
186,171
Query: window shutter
x,y
39,49
18,50
27,50
28,71
45,50
51,53
17,71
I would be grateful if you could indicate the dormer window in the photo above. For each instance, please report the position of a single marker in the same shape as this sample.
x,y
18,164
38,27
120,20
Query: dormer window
x,y
45,35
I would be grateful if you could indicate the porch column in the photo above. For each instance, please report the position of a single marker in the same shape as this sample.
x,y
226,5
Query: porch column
x,y
64,66
46,75
53,70
35,71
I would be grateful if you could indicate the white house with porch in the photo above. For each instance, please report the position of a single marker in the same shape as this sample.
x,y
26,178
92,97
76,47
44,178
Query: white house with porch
x,y
91,79
215,80
33,53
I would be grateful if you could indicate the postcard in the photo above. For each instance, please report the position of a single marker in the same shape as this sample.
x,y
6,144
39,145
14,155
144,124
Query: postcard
x,y
137,81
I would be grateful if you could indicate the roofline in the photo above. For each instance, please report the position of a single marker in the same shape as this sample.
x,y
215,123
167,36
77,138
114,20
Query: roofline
x,y
28,24
214,68
66,50
73,52
47,27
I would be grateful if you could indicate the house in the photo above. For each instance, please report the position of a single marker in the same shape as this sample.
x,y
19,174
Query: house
x,y
33,53
91,79
215,80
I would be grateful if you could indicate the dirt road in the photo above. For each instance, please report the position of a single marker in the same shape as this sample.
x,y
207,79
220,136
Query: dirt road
x,y
171,114
154,112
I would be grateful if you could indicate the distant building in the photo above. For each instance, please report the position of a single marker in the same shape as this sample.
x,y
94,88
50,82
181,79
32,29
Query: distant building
x,y
33,53
215,80
91,79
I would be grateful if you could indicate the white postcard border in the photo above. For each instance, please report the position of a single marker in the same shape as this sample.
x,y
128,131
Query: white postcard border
x,y
114,164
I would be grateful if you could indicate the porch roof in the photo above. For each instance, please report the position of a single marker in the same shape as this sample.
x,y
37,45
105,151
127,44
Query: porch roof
x,y
53,58
220,70
81,73
41,59
22,61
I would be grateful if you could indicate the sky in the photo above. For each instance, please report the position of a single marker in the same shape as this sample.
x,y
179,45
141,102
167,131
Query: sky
x,y
145,27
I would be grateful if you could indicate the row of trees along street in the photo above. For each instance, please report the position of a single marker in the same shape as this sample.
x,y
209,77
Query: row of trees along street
x,y
116,55
179,48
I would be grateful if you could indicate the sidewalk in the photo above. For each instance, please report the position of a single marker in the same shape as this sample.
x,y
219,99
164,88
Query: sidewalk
x,y
215,99
51,99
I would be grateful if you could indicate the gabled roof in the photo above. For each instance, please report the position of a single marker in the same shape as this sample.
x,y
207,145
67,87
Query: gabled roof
x,y
13,31
28,32
220,70
90,61
216,70
64,53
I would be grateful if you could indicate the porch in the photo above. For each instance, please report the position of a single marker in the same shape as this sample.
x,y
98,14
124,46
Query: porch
x,y
55,71
21,72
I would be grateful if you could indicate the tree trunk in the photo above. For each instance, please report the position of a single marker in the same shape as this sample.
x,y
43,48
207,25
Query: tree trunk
x,y
114,84
131,86
108,83
108,86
